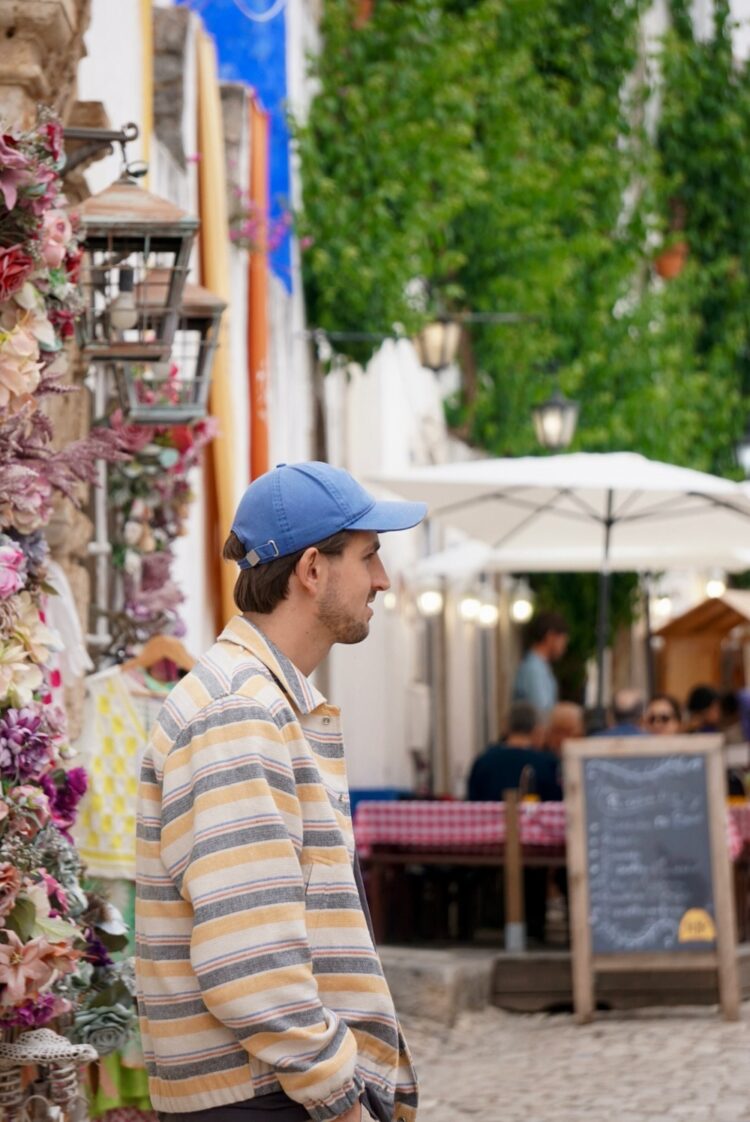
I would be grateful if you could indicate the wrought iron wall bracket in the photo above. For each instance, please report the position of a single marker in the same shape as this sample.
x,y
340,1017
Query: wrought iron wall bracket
x,y
96,140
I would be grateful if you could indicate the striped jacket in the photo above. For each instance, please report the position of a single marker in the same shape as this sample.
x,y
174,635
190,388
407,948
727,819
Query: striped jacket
x,y
256,970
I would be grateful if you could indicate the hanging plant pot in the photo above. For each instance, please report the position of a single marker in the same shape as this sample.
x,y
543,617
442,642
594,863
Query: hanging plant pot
x,y
671,261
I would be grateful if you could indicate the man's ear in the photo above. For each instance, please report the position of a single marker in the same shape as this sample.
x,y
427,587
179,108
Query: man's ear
x,y
308,570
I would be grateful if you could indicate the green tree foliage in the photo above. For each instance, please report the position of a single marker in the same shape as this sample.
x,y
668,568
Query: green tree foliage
x,y
497,149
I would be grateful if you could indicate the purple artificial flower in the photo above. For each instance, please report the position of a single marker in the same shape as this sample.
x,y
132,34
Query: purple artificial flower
x,y
64,790
96,953
35,1011
25,744
35,549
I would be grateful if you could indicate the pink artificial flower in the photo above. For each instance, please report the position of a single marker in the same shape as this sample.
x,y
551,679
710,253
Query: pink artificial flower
x,y
73,264
24,967
20,369
12,577
14,170
15,266
56,893
56,233
63,320
10,886
53,132
30,812
45,192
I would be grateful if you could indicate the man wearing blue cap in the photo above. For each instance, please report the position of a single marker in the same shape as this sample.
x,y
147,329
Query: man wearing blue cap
x,y
261,993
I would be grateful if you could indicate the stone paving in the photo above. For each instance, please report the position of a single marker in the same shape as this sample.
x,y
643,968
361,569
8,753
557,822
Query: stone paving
x,y
674,1065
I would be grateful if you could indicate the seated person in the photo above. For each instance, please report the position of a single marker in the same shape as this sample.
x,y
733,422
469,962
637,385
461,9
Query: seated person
x,y
500,766
627,714
499,769
704,709
565,723
663,717
731,723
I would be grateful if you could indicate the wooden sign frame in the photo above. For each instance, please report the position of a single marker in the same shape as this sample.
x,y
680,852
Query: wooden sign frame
x,y
585,963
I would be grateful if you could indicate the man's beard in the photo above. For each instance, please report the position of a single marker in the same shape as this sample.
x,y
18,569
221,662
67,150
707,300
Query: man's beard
x,y
341,625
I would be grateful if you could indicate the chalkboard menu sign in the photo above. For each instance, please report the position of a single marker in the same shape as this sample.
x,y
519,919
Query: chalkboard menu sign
x,y
649,854
648,863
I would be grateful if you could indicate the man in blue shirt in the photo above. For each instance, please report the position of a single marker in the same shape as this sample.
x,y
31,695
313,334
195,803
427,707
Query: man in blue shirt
x,y
627,713
547,642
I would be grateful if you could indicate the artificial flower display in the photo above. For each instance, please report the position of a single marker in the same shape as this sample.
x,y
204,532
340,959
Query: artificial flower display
x,y
56,962
151,497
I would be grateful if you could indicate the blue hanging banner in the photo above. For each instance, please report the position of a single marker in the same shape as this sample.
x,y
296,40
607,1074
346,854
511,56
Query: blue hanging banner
x,y
251,43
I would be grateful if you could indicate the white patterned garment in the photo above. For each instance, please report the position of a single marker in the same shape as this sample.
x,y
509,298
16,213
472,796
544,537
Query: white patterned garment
x,y
113,737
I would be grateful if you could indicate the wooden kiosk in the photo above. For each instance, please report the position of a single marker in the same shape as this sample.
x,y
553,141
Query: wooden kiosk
x,y
649,873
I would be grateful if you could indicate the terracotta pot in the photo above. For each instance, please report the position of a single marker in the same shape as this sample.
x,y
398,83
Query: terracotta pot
x,y
670,263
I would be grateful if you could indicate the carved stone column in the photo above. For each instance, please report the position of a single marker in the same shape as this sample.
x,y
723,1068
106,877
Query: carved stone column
x,y
41,43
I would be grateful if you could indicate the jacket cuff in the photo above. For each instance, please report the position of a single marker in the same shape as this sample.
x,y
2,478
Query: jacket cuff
x,y
338,1103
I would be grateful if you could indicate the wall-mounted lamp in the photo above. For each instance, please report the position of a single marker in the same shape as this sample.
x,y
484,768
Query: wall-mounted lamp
x,y
522,602
175,391
127,233
661,608
489,607
469,607
430,602
390,600
716,585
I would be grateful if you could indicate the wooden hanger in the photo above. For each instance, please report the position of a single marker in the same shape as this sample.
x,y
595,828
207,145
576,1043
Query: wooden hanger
x,y
161,647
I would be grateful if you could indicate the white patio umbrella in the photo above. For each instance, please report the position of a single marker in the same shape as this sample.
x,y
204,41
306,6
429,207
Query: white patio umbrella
x,y
607,505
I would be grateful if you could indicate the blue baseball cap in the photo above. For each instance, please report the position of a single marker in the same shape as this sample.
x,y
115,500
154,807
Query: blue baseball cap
x,y
296,505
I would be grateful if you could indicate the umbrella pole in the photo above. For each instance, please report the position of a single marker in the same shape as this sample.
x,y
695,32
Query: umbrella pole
x,y
602,614
650,675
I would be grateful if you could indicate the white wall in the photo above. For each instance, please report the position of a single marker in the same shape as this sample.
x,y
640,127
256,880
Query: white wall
x,y
111,73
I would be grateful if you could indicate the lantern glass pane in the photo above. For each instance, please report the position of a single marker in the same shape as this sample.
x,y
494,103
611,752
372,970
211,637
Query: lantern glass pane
x,y
125,313
175,390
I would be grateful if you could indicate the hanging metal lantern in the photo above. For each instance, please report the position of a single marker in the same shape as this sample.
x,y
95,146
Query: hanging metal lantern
x,y
174,390
128,232
555,421
437,343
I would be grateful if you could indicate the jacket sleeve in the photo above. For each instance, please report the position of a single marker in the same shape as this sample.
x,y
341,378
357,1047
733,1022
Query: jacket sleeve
x,y
230,836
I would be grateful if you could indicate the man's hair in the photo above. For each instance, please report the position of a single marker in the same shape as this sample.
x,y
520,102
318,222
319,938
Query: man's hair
x,y
541,625
565,715
627,705
261,588
701,698
522,717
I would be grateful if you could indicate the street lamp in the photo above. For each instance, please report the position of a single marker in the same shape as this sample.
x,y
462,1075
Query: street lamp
x,y
437,343
127,233
175,390
555,421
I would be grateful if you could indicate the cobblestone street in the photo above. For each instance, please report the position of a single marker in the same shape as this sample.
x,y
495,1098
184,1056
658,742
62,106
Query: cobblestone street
x,y
685,1065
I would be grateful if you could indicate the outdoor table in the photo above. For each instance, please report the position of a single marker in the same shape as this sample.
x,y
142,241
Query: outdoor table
x,y
473,834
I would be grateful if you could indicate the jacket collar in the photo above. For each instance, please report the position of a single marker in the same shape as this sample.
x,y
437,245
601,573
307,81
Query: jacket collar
x,y
299,689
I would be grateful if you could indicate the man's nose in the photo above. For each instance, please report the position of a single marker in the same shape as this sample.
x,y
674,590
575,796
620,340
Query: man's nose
x,y
380,581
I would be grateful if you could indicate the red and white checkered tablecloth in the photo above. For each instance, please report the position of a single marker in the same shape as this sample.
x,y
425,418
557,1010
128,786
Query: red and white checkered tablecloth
x,y
478,827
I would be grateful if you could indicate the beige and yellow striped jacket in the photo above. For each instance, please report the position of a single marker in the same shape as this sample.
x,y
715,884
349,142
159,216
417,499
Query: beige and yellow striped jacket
x,y
256,970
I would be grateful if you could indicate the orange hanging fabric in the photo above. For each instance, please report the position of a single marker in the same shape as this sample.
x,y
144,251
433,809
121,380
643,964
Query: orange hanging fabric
x,y
257,327
215,275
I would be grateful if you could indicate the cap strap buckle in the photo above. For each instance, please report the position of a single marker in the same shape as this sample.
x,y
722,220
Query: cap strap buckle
x,y
266,552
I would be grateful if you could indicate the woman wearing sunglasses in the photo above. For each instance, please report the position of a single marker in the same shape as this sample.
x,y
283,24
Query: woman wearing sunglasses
x,y
662,717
